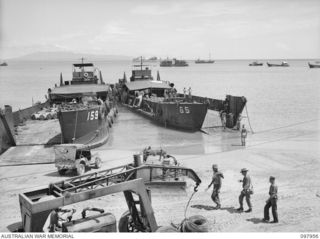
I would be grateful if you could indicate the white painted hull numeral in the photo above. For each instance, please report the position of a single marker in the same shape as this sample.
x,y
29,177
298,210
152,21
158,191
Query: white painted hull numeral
x,y
93,115
184,110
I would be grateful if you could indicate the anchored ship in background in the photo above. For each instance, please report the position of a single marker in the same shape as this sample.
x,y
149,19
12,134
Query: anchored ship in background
x,y
173,62
209,61
85,111
159,101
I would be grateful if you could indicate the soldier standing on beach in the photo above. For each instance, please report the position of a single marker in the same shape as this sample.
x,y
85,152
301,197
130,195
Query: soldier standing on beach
x,y
217,182
243,135
247,190
272,202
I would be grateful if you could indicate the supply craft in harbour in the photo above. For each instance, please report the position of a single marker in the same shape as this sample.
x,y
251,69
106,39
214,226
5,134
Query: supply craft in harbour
x,y
256,63
159,101
209,61
173,62
85,106
283,64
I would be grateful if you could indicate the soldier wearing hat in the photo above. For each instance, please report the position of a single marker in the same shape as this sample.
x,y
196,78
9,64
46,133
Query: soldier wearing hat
x,y
247,190
217,182
272,202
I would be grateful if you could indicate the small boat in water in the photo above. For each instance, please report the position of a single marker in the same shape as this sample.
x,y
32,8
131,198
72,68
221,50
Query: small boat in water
x,y
283,64
256,63
173,62
85,110
4,64
314,65
209,61
198,61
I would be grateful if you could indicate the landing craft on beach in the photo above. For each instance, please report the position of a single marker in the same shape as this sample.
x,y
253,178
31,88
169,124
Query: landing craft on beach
x,y
85,112
159,101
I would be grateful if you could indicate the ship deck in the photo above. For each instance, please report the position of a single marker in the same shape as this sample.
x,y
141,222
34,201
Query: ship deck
x,y
35,140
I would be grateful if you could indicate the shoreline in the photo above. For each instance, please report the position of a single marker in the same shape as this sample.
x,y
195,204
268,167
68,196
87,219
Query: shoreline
x,y
289,154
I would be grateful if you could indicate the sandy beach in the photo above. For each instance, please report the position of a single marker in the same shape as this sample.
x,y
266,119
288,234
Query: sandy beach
x,y
291,154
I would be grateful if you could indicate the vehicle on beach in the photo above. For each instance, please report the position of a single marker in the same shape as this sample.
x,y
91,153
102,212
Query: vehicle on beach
x,y
283,64
314,65
75,157
256,63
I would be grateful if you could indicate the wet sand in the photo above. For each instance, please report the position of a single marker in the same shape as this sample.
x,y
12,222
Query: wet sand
x,y
291,154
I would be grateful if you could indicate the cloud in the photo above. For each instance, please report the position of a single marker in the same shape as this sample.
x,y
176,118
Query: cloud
x,y
111,31
157,9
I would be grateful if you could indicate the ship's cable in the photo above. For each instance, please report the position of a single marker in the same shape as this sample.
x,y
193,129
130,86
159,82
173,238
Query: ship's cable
x,y
249,119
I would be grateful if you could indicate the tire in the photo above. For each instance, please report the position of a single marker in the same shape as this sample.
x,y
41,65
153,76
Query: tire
x,y
41,117
97,162
62,171
81,169
126,223
49,117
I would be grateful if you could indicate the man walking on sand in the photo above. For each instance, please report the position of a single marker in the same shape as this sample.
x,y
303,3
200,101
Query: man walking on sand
x,y
247,190
217,182
243,136
272,202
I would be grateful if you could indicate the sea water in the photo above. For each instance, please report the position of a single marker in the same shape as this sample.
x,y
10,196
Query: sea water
x,y
277,97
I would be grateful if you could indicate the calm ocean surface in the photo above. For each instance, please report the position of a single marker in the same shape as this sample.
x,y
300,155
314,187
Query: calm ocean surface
x,y
277,96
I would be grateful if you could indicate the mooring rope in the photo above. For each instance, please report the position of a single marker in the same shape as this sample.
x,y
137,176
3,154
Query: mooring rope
x,y
75,127
249,119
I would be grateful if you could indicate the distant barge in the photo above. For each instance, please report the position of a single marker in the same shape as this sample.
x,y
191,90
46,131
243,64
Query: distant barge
x,y
282,64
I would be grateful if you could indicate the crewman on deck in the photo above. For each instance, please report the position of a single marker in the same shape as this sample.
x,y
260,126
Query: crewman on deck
x,y
247,190
243,135
190,93
217,182
184,92
272,202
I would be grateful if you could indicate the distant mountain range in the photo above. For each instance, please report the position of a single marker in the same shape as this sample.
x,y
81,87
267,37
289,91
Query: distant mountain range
x,y
69,56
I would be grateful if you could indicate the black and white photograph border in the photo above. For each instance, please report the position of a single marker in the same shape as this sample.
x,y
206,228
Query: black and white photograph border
x,y
164,116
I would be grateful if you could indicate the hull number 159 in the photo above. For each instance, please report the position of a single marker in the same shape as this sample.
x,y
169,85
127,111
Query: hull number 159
x,y
184,110
92,115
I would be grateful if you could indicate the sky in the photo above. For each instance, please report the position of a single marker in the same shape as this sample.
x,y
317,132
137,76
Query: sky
x,y
228,29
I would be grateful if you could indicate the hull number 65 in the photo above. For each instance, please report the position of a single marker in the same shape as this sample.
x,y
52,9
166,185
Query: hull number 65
x,y
184,110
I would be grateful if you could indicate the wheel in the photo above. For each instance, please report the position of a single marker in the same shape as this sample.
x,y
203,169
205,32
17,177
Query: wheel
x,y
49,117
81,169
41,117
126,223
62,171
98,162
